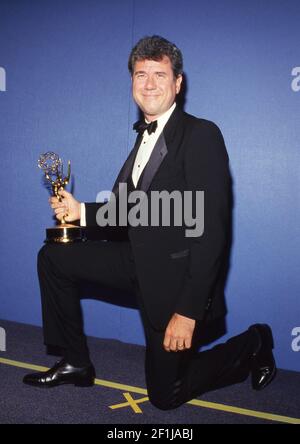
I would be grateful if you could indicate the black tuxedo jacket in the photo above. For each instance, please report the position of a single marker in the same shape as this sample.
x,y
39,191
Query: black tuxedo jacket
x,y
177,273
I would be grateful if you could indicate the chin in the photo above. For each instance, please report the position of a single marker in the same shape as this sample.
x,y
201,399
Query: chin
x,y
150,110
151,113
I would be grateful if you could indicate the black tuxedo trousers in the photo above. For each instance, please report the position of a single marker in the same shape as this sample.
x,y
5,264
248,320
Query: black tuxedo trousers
x,y
172,378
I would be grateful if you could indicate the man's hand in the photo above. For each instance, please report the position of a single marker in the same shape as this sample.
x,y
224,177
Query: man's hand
x,y
69,208
179,333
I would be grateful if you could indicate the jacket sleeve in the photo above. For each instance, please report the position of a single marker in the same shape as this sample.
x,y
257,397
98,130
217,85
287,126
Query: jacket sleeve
x,y
206,169
91,213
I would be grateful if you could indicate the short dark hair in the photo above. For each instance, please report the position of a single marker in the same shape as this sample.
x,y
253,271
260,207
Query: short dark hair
x,y
155,48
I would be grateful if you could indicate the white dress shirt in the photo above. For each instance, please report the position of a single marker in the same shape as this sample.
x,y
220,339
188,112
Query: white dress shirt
x,y
147,145
143,155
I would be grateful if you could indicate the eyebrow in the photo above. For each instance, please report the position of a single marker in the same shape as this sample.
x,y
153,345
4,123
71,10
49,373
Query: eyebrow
x,y
144,72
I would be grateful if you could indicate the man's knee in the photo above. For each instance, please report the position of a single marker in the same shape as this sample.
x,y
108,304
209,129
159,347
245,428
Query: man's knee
x,y
48,255
165,399
42,254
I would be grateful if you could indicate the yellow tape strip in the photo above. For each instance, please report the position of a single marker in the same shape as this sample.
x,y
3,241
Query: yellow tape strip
x,y
131,402
247,412
117,386
195,402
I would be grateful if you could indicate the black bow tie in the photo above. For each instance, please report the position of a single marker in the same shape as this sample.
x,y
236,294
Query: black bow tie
x,y
141,126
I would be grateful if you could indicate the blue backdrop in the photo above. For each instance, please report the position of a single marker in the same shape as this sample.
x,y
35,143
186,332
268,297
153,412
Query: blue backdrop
x,y
64,87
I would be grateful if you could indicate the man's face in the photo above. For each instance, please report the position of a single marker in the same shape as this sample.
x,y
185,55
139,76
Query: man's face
x,y
154,86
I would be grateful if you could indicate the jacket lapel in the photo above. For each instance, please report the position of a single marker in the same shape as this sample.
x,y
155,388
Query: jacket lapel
x,y
157,156
160,150
127,167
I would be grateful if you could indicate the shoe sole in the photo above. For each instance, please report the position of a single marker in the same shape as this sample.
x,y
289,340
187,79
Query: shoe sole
x,y
76,384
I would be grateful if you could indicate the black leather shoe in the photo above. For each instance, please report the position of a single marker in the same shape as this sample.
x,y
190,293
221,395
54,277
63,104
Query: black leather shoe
x,y
62,373
263,367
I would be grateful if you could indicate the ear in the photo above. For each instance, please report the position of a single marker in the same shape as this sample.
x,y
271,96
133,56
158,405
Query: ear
x,y
178,82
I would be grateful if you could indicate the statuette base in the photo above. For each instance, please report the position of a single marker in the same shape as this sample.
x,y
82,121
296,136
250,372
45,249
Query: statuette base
x,y
65,233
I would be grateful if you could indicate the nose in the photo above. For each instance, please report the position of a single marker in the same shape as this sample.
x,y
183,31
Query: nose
x,y
150,83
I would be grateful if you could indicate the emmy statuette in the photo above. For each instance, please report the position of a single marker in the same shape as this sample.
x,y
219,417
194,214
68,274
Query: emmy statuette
x,y
52,166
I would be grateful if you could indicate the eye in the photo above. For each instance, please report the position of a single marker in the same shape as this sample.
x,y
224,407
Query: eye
x,y
140,75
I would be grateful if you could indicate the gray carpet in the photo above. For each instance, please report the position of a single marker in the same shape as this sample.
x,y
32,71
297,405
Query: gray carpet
x,y
124,364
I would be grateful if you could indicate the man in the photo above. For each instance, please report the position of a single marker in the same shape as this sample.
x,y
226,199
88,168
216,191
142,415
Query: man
x,y
178,279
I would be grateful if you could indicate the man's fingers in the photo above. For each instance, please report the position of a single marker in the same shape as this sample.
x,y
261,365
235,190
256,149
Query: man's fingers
x,y
53,200
183,344
62,210
55,203
58,205
166,343
63,193
188,343
173,345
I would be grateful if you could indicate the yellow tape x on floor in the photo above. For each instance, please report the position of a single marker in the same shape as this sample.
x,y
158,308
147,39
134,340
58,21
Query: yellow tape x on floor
x,y
133,403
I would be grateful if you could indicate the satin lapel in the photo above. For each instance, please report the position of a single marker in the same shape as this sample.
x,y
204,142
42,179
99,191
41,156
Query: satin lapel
x,y
158,154
127,167
160,150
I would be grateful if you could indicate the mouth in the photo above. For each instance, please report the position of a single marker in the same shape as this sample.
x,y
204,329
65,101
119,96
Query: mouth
x,y
150,96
